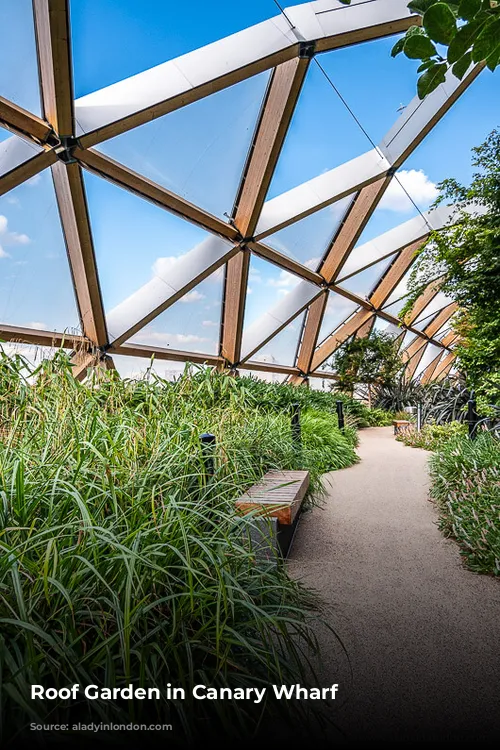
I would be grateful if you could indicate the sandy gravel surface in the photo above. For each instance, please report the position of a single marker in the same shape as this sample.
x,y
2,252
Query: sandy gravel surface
x,y
422,633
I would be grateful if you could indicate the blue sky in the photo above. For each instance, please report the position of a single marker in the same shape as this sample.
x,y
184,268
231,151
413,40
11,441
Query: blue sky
x,y
198,152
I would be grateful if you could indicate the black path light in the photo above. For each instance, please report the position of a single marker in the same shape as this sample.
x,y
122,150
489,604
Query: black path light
x,y
340,414
472,415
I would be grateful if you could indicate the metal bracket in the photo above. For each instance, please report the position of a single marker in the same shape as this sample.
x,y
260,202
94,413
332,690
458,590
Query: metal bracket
x,y
307,50
64,151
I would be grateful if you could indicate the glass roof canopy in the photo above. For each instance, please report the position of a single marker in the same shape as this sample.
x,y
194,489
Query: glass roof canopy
x,y
166,212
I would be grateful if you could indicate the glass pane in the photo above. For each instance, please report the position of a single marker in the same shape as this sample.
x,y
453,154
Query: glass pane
x,y
396,307
429,356
18,60
338,309
14,151
282,349
112,41
267,286
363,283
396,207
382,326
32,353
137,368
322,135
192,323
376,89
198,151
409,338
440,300
134,240
467,124
36,288
307,240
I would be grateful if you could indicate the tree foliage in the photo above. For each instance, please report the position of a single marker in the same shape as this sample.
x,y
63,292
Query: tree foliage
x,y
454,34
373,360
467,254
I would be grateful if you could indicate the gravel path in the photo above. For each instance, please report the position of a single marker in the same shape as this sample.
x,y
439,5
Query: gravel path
x,y
422,633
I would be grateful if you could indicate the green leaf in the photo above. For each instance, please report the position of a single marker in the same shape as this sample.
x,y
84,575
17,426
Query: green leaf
x,y
487,42
425,66
461,66
463,41
431,79
468,9
421,6
493,60
398,47
440,23
418,47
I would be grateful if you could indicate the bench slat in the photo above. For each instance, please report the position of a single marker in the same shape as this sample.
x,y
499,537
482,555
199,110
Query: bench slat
x,y
278,494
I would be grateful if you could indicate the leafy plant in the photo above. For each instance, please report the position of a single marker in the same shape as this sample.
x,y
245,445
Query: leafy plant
x,y
373,360
466,488
432,437
467,256
122,560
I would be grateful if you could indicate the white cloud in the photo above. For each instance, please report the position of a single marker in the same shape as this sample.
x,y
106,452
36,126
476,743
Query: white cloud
x,y
254,275
10,238
210,324
419,186
313,263
162,266
193,296
285,280
37,325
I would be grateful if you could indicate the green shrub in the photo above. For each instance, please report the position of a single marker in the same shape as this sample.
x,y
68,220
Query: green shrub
x,y
332,448
120,560
432,437
466,487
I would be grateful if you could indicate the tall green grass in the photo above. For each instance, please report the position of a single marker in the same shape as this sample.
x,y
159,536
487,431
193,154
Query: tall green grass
x,y
466,487
121,561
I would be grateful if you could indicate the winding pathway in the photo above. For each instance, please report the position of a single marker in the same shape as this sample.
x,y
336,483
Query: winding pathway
x,y
422,633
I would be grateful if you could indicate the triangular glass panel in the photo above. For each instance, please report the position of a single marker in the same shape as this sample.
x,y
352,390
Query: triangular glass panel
x,y
338,309
316,141
397,206
199,151
282,349
192,324
149,244
268,285
429,356
377,91
383,326
138,368
435,305
409,338
36,289
19,80
364,282
438,155
307,240
112,41
395,307
15,151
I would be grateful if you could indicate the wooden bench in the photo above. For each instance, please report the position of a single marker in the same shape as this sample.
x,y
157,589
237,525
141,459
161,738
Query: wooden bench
x,y
276,499
401,425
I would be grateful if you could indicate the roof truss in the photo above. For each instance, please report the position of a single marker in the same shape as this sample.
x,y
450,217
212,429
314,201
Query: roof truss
x,y
287,47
